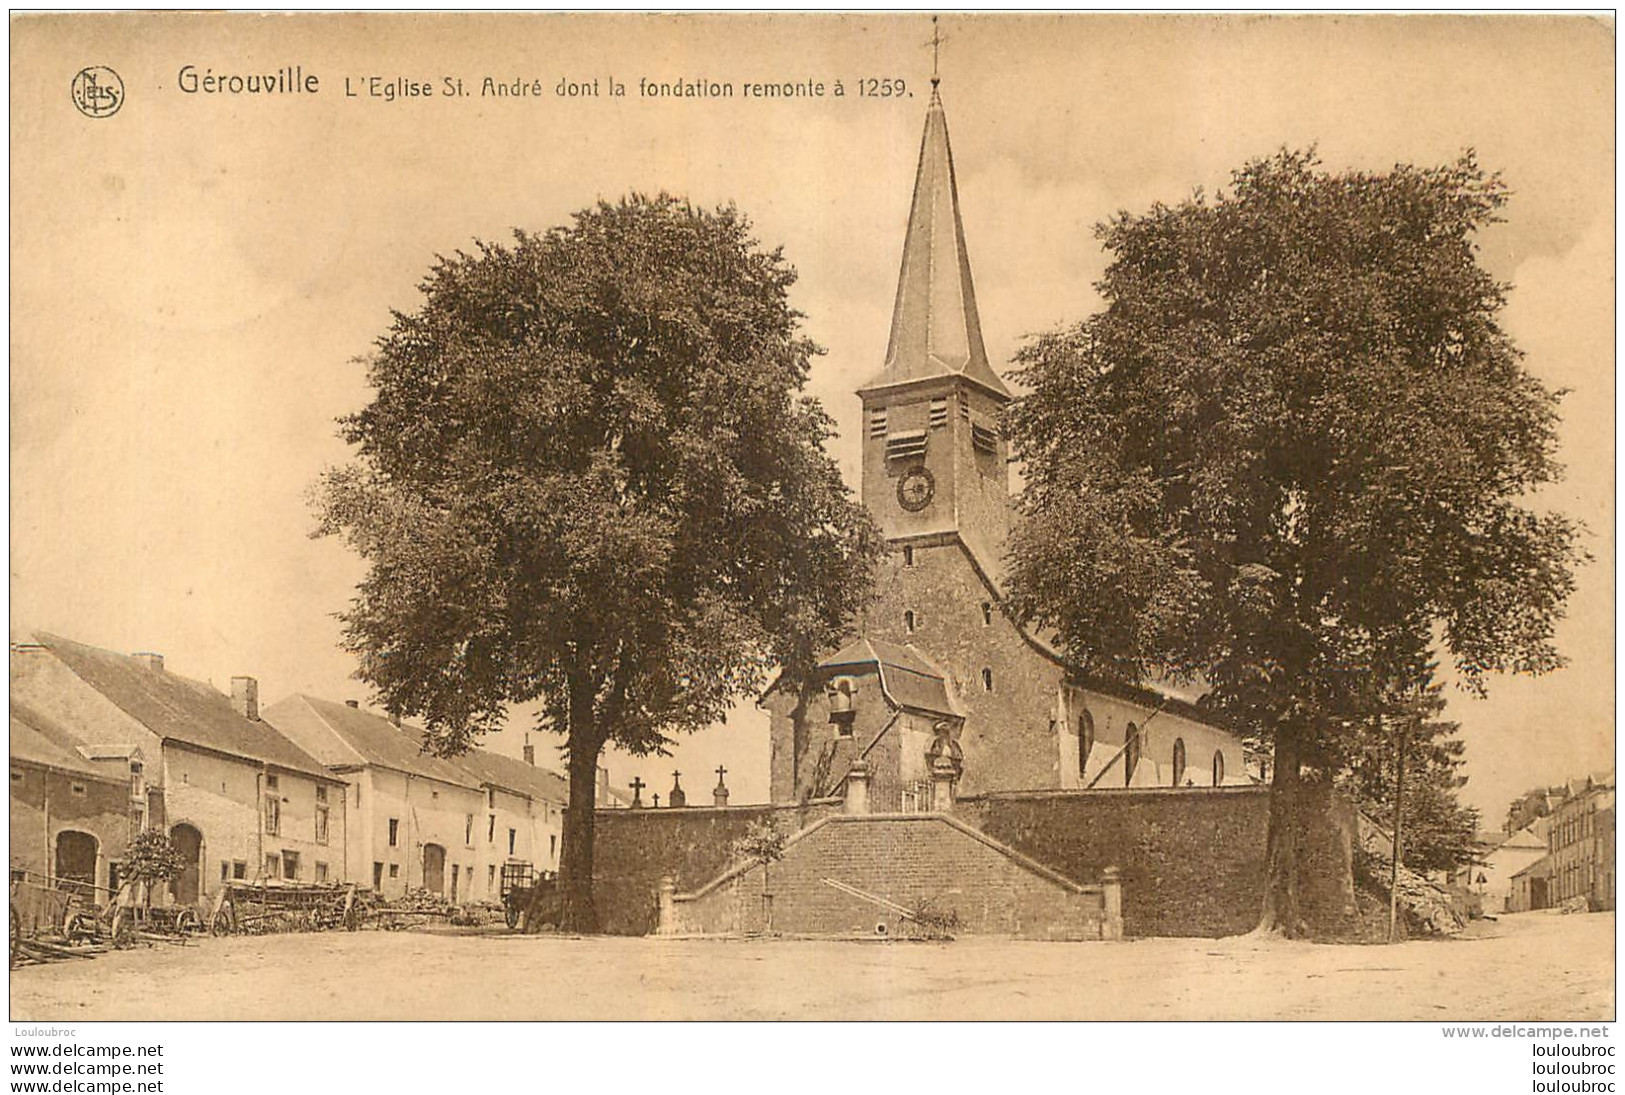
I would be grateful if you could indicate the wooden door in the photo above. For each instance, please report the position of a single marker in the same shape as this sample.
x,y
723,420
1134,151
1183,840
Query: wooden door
x,y
188,842
434,868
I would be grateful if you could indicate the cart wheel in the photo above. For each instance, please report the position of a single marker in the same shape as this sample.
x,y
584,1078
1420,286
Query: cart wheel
x,y
188,921
222,922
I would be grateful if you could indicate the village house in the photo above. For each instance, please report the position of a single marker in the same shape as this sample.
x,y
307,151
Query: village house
x,y
73,809
1490,879
1581,838
446,825
523,820
239,800
417,818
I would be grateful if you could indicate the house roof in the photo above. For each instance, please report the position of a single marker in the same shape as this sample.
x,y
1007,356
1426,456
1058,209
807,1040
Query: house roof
x,y
907,676
1527,838
370,738
505,772
32,745
1539,868
179,709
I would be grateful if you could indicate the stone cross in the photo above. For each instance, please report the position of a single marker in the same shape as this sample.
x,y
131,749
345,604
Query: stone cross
x,y
656,797
637,786
678,796
719,793
721,771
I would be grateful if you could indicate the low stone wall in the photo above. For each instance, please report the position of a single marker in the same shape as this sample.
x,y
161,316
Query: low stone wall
x,y
634,849
1193,860
856,875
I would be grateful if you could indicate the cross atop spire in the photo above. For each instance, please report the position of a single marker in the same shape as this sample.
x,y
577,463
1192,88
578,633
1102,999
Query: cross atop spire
x,y
935,328
936,46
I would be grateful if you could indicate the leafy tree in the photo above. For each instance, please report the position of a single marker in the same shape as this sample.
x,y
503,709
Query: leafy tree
x,y
152,860
588,480
761,843
1291,455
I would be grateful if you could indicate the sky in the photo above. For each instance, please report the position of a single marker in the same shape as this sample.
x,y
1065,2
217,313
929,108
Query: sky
x,y
196,277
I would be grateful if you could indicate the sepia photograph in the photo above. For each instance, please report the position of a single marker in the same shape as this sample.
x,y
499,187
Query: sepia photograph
x,y
813,517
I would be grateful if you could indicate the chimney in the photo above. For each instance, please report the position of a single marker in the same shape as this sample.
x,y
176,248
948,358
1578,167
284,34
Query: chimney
x,y
245,697
530,754
154,662
353,703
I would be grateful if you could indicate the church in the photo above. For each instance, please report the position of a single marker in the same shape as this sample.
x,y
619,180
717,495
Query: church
x,y
938,667
948,771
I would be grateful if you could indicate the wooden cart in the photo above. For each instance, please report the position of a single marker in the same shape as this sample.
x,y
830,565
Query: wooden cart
x,y
260,908
520,883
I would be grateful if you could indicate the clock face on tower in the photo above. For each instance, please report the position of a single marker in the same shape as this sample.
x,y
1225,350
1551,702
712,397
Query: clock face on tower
x,y
915,488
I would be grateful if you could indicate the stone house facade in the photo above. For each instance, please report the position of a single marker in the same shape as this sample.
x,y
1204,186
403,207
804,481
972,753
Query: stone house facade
x,y
71,817
1581,836
424,822
239,800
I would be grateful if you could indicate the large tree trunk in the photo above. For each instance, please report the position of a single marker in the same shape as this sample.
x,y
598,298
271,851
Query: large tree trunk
x,y
577,913
1281,914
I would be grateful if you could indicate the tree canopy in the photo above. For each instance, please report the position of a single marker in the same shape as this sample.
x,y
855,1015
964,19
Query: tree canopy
x,y
1293,453
589,480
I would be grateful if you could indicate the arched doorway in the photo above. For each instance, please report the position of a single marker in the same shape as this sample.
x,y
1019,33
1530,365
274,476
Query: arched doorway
x,y
434,868
76,862
188,842
1179,761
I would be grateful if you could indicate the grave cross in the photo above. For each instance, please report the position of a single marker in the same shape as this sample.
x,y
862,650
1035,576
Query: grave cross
x,y
721,771
637,786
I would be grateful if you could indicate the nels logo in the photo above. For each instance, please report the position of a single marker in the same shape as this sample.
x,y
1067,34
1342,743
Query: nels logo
x,y
98,92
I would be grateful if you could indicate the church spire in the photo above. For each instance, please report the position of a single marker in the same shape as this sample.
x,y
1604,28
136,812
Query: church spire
x,y
935,329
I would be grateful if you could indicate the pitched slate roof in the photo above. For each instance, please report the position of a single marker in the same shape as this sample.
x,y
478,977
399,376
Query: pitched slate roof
x,y
506,772
935,328
31,745
366,738
906,675
179,709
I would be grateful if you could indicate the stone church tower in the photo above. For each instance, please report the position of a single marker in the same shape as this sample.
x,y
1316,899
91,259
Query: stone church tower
x,y
934,462
936,663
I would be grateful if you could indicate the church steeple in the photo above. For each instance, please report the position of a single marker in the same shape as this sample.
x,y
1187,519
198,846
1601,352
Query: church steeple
x,y
935,329
934,460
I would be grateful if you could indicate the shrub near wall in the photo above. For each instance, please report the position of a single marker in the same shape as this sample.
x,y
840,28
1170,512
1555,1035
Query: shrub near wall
x,y
634,849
